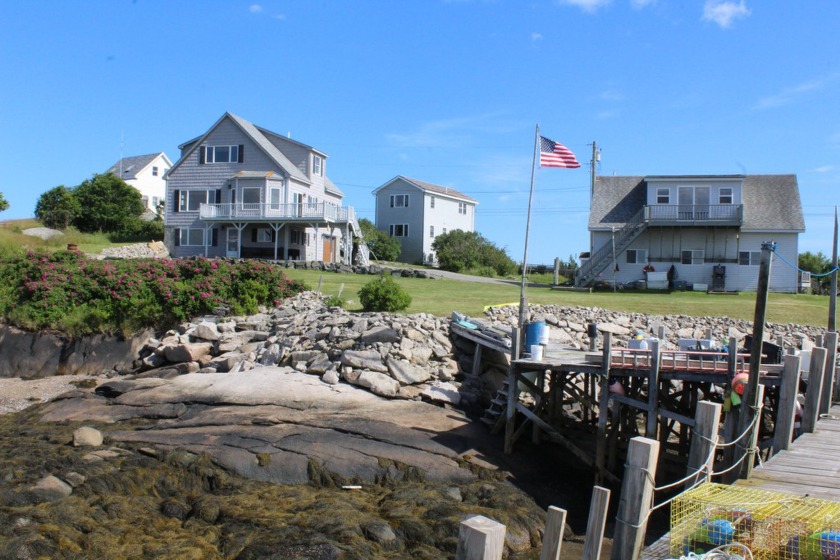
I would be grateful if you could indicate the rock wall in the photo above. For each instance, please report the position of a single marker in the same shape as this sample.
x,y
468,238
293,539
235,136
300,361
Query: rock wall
x,y
42,354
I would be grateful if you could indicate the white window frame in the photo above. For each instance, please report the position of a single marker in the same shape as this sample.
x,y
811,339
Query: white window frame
x,y
250,190
154,171
191,237
432,232
317,165
753,258
697,256
663,195
210,155
398,230
264,235
462,208
726,193
432,201
640,256
187,199
399,201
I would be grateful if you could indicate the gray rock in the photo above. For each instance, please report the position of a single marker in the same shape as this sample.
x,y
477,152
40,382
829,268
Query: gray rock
x,y
331,377
50,489
364,359
206,331
406,373
443,393
378,384
380,334
87,437
187,352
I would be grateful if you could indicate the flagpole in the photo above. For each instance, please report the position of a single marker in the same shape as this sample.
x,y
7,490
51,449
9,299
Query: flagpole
x,y
523,302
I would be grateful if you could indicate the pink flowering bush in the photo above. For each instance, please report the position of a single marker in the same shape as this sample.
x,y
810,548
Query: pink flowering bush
x,y
64,290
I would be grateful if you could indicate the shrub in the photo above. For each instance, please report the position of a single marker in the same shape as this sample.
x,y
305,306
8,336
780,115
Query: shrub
x,y
383,294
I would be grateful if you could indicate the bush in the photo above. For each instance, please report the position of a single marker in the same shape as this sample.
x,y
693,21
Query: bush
x,y
135,230
384,294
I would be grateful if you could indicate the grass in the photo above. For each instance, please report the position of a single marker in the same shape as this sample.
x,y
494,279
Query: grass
x,y
441,297
12,240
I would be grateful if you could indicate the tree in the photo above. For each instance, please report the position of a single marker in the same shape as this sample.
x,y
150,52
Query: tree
x,y
460,250
4,204
57,208
107,204
382,246
816,264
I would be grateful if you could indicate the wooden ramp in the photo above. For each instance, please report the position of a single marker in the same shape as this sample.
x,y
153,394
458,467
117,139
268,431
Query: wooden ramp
x,y
811,467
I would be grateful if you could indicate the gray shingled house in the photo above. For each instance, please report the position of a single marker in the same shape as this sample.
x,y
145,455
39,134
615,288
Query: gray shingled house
x,y
240,190
709,228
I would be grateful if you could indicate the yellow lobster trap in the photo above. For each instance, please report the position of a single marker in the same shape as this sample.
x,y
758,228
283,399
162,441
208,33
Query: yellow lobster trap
x,y
773,525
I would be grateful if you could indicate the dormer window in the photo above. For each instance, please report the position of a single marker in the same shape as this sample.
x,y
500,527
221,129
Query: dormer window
x,y
663,196
317,165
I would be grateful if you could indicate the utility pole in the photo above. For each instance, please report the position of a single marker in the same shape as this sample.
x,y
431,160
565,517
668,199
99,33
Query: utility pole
x,y
749,405
832,300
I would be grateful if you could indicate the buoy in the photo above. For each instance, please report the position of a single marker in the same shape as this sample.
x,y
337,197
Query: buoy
x,y
739,381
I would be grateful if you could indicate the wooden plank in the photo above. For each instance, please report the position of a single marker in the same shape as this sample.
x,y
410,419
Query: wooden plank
x,y
596,523
811,410
787,404
480,538
555,525
653,391
701,454
603,415
636,494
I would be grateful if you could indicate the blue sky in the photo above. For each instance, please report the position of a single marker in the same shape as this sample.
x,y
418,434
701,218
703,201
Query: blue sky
x,y
444,91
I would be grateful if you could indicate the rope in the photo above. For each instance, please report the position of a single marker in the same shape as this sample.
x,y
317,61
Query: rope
x,y
813,274
722,553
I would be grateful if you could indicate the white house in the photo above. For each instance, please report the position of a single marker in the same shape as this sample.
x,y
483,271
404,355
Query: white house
x,y
145,173
240,190
701,225
415,212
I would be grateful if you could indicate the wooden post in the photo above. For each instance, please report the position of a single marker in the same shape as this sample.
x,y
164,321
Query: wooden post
x,y
513,391
636,494
598,507
750,400
706,422
811,410
480,538
476,364
603,412
653,391
829,389
732,365
752,437
556,271
787,404
660,332
555,526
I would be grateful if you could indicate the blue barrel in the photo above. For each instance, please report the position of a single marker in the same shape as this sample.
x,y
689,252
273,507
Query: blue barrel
x,y
534,334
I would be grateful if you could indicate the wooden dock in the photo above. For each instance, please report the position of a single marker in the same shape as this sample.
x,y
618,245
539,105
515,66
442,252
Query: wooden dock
x,y
809,467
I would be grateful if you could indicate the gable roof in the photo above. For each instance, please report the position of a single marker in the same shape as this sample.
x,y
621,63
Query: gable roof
x,y
256,135
133,165
429,187
771,202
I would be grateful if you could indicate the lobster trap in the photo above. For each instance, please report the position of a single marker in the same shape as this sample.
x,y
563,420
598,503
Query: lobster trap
x,y
773,525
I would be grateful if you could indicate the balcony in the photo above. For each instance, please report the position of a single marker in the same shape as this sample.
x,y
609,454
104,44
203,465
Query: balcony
x,y
254,212
694,215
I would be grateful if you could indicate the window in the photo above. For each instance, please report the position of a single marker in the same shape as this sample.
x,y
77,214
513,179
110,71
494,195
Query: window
x,y
399,201
265,235
444,231
300,237
432,231
191,237
636,256
693,257
398,230
220,154
462,208
155,201
154,171
144,200
749,258
432,201
191,201
250,195
725,195
663,196
317,165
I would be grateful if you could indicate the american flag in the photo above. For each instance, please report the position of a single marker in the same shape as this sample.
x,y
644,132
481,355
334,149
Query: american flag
x,y
555,154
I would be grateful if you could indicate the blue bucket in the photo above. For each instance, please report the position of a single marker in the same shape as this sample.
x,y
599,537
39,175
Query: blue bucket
x,y
535,333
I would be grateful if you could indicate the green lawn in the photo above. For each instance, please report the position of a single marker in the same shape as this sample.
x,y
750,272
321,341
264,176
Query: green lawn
x,y
441,297
12,240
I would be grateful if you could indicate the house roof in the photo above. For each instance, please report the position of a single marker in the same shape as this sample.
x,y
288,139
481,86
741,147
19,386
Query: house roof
x,y
133,165
771,202
258,137
429,187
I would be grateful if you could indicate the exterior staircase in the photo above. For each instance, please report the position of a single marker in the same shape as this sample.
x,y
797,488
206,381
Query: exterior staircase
x,y
495,415
604,256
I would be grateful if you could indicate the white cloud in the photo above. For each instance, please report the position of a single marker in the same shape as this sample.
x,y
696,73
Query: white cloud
x,y
255,8
608,114
611,95
724,12
536,36
639,4
823,169
586,5
449,133
790,94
